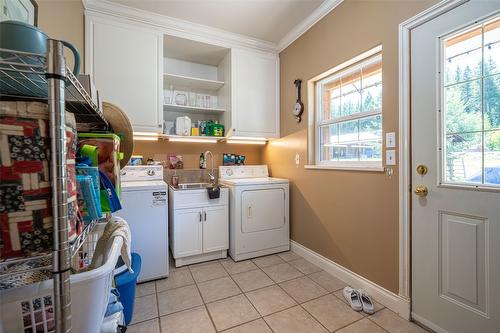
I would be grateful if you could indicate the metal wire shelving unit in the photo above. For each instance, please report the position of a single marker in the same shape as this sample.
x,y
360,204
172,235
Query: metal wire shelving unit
x,y
29,76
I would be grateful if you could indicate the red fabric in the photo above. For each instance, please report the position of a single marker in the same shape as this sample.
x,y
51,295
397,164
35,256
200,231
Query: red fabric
x,y
26,222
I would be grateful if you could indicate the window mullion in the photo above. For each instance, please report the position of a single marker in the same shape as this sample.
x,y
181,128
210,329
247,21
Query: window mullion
x,y
355,116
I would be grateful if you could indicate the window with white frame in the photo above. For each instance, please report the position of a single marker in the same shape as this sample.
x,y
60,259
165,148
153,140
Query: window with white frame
x,y
348,114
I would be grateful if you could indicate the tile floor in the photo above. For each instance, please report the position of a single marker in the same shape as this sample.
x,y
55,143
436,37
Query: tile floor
x,y
277,293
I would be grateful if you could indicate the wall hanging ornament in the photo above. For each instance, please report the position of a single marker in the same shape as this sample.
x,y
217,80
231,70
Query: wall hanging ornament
x,y
298,108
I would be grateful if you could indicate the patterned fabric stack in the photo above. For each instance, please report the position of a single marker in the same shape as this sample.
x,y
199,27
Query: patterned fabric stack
x,y
25,191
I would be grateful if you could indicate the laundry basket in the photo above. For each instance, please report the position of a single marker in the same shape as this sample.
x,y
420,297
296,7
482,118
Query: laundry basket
x,y
30,308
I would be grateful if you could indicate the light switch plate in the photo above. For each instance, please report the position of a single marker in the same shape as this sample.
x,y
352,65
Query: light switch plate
x,y
390,157
390,140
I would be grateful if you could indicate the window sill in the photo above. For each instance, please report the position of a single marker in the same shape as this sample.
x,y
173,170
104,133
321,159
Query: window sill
x,y
345,168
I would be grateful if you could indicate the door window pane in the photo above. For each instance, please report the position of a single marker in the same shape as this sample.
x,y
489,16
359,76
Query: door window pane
x,y
471,104
492,47
463,158
492,102
463,107
492,158
463,56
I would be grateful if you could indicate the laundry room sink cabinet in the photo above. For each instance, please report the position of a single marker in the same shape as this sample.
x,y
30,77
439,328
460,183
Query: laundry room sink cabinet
x,y
199,226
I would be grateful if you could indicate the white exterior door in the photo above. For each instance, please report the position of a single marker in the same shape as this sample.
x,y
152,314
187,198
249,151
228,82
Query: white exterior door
x,y
125,61
215,229
187,232
254,85
455,80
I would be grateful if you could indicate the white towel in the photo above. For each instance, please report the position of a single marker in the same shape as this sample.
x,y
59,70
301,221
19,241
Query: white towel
x,y
116,227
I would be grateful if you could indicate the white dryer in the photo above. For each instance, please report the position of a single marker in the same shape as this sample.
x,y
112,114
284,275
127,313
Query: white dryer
x,y
258,211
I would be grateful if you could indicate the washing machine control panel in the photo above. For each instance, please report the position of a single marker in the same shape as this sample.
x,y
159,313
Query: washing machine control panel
x,y
243,171
142,172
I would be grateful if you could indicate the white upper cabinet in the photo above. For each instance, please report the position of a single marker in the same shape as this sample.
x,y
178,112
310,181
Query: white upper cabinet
x,y
154,75
125,61
254,98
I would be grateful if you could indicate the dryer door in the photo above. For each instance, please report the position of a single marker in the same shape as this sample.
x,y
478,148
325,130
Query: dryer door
x,y
262,209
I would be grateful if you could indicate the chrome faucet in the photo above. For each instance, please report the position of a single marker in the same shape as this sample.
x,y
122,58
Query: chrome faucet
x,y
210,174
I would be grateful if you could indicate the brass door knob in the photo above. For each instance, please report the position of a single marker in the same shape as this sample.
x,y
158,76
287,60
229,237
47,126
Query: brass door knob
x,y
421,191
422,169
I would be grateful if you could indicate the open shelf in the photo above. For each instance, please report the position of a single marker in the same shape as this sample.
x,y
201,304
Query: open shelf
x,y
191,83
75,246
22,77
42,261
191,109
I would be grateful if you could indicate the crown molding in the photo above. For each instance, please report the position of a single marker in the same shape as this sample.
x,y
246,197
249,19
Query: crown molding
x,y
320,12
178,27
203,33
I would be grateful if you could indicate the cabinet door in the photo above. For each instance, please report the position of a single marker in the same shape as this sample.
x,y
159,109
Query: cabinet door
x,y
187,232
124,60
255,106
215,229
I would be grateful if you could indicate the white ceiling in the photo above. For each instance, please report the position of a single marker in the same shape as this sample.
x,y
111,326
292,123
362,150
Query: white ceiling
x,y
269,20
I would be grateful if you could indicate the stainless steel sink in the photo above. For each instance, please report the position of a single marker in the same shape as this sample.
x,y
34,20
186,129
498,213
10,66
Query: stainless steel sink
x,y
192,186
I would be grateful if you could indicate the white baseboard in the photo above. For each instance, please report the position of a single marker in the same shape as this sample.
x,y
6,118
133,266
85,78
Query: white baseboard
x,y
396,303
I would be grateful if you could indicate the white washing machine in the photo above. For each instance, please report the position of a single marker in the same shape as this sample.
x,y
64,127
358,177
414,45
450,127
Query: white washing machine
x,y
145,208
258,211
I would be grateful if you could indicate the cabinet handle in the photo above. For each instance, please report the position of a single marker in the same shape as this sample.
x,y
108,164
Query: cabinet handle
x,y
200,216
249,211
205,215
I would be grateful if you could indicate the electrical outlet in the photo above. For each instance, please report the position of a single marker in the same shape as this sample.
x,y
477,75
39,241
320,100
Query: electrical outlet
x,y
297,160
390,157
390,140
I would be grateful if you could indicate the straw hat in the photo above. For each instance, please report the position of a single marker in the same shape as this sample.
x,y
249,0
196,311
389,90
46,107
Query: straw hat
x,y
121,126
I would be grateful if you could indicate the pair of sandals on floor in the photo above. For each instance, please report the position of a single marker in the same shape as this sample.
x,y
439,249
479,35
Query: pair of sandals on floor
x,y
359,300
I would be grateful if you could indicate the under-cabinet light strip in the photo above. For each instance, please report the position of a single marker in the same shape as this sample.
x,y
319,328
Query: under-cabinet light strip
x,y
247,138
187,139
145,134
145,138
246,142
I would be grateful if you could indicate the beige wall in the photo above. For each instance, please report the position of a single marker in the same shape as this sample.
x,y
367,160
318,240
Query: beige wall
x,y
191,151
63,19
348,217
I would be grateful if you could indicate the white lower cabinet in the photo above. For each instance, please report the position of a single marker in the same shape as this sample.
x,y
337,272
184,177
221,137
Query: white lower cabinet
x,y
215,229
199,227
188,231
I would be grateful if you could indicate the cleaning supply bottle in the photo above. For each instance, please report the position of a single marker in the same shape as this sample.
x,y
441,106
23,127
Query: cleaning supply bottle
x,y
202,161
